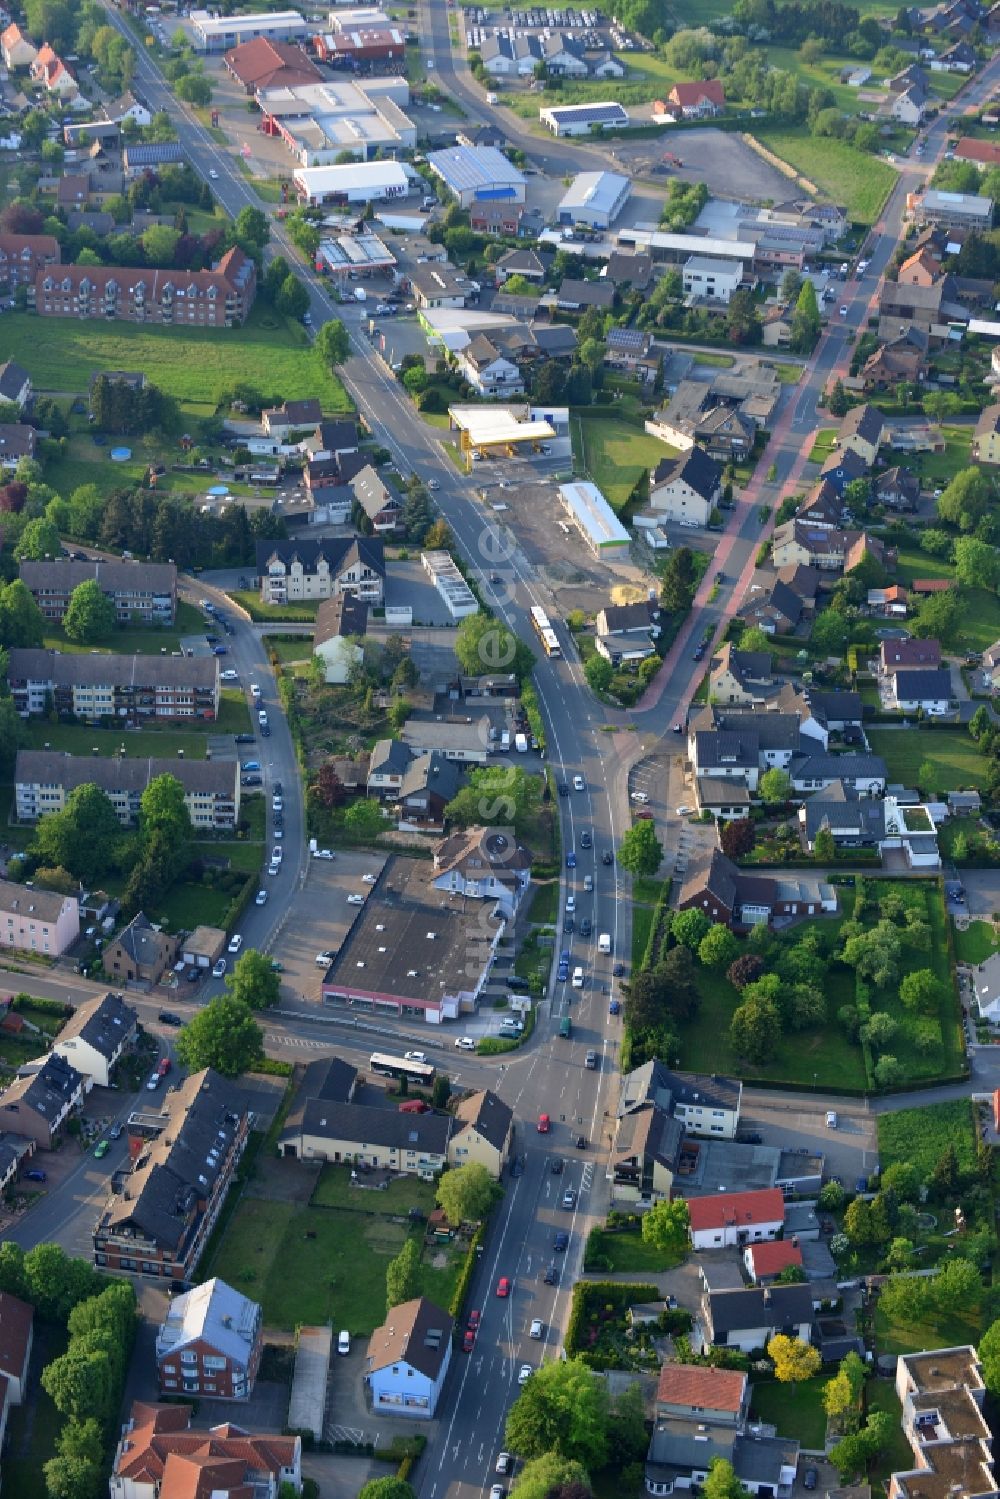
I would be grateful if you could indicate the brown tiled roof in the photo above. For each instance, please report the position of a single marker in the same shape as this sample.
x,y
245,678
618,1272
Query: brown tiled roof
x,y
159,1447
16,1318
708,1389
417,1333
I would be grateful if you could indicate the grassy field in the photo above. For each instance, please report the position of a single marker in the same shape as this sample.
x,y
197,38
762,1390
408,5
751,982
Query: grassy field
x,y
952,751
289,651
859,181
287,613
194,365
83,739
616,454
921,1136
318,1265
897,1457
826,441
642,922
82,462
134,640
977,943
939,468
334,1190
795,1409
627,1252
946,1330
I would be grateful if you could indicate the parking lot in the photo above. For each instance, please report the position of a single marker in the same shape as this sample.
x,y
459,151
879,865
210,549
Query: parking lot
x,y
851,1150
319,919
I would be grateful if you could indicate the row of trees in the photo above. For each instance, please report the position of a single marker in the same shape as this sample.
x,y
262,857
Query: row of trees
x,y
118,406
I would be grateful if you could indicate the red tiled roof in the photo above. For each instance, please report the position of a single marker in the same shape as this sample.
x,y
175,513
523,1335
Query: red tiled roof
x,y
931,585
687,95
261,63
775,1256
724,1208
983,152
705,1388
160,1448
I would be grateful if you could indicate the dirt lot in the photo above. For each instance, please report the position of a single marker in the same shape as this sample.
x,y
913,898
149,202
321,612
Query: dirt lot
x,y
718,158
320,919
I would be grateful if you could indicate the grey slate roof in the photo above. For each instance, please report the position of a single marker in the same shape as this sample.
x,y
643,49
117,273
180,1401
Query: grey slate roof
x,y
339,552
12,379
925,686
839,808
431,772
656,1083
734,1311
360,1125
487,1114
390,757
103,1023
695,467
842,767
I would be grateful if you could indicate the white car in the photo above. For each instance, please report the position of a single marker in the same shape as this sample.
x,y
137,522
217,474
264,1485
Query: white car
x,y
414,1056
465,1043
537,1328
355,900
254,691
639,796
229,675
154,1082
843,312
261,898
235,942
571,903
273,869
504,1462
213,174
276,804
433,483
279,832
277,854
262,717
579,784
344,1342
219,969
684,809
369,879
324,959
525,1373
323,853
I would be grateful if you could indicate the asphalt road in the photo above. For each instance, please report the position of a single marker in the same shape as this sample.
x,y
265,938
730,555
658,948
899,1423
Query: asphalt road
x,y
550,1075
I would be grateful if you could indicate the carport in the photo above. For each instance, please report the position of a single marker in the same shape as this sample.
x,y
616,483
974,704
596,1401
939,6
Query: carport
x,y
307,1406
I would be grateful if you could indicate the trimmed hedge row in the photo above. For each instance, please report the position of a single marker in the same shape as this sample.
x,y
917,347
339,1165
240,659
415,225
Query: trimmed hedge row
x,y
465,1274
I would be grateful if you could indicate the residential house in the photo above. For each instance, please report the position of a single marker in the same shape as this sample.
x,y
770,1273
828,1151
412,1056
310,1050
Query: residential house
x,y
986,438
629,349
928,691
487,369
43,779
41,1099
390,760
717,1396
863,432
429,783
17,441
484,1133
143,593
730,1219
843,467
823,506
439,286
765,1262
54,76
704,1105
986,987
281,421
530,264
750,1319
459,739
776,326
334,438
629,268
854,821
741,900
707,278
17,1335
329,1080
190,1143
864,774
627,632
902,358
897,489
141,953
15,384
563,55
698,100
365,1136
481,864
130,689
96,1037
942,1393
826,549
33,920
574,295
23,257
777,610
742,677
159,1454
908,655
910,106
218,298
686,489
341,623
17,49
289,571
645,1156
408,1360
922,268
381,505
209,1343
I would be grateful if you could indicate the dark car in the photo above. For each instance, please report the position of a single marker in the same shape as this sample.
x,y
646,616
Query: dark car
x,y
167,1017
561,1241
551,1276
810,1478
720,577
564,955
265,732
571,860
586,841
607,857
569,926
750,1137
861,1185
563,789
212,639
581,1142
193,975
35,1176
519,985
562,973
220,650
278,787
585,926
245,738
556,1165
614,1008
618,970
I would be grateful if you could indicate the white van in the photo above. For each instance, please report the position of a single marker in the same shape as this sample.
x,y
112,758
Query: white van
x,y
344,1341
577,978
831,1119
604,942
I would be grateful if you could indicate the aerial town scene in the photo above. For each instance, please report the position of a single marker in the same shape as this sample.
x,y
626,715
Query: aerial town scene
x,y
499,749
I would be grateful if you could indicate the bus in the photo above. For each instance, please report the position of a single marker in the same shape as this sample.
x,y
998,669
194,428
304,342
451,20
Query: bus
x,y
421,1073
543,629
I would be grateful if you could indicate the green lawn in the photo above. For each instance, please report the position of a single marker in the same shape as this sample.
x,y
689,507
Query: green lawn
x,y
824,74
83,739
186,906
286,613
859,181
193,364
897,1457
826,441
627,1252
133,640
952,752
32,1428
642,923
84,463
288,650
947,1330
616,454
977,943
921,1136
795,1409
317,1265
334,1190
939,468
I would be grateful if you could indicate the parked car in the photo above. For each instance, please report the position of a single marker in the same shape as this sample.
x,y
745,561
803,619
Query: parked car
x,y
101,1149
154,1082
235,943
167,1017
219,968
261,898
35,1175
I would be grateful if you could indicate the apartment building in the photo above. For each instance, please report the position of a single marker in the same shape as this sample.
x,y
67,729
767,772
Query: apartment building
x,y
24,257
210,1343
143,593
40,921
159,1454
129,689
186,1157
43,779
942,1394
219,298
305,569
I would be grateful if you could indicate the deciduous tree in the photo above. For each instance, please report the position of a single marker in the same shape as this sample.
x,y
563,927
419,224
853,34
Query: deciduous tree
x,y
755,1030
721,1482
82,838
561,1409
402,1275
223,1035
775,786
718,948
640,851
465,1193
90,614
793,1359
543,1475
690,927
332,342
21,620
254,981
665,1225
737,837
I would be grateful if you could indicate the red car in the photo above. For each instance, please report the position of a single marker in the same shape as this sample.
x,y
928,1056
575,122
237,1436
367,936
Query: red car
x,y
474,1318
469,1340
544,1124
503,1286
164,1067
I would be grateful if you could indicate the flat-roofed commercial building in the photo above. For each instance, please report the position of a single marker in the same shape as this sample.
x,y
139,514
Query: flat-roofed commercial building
x,y
580,119
478,174
351,182
594,198
213,33
128,689
499,430
318,122
143,593
595,520
43,779
953,210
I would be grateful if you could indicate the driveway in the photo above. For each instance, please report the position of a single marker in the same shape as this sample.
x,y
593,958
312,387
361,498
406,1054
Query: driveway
x,y
982,892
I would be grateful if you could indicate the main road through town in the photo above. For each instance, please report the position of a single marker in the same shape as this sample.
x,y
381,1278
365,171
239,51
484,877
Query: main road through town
x,y
550,1077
